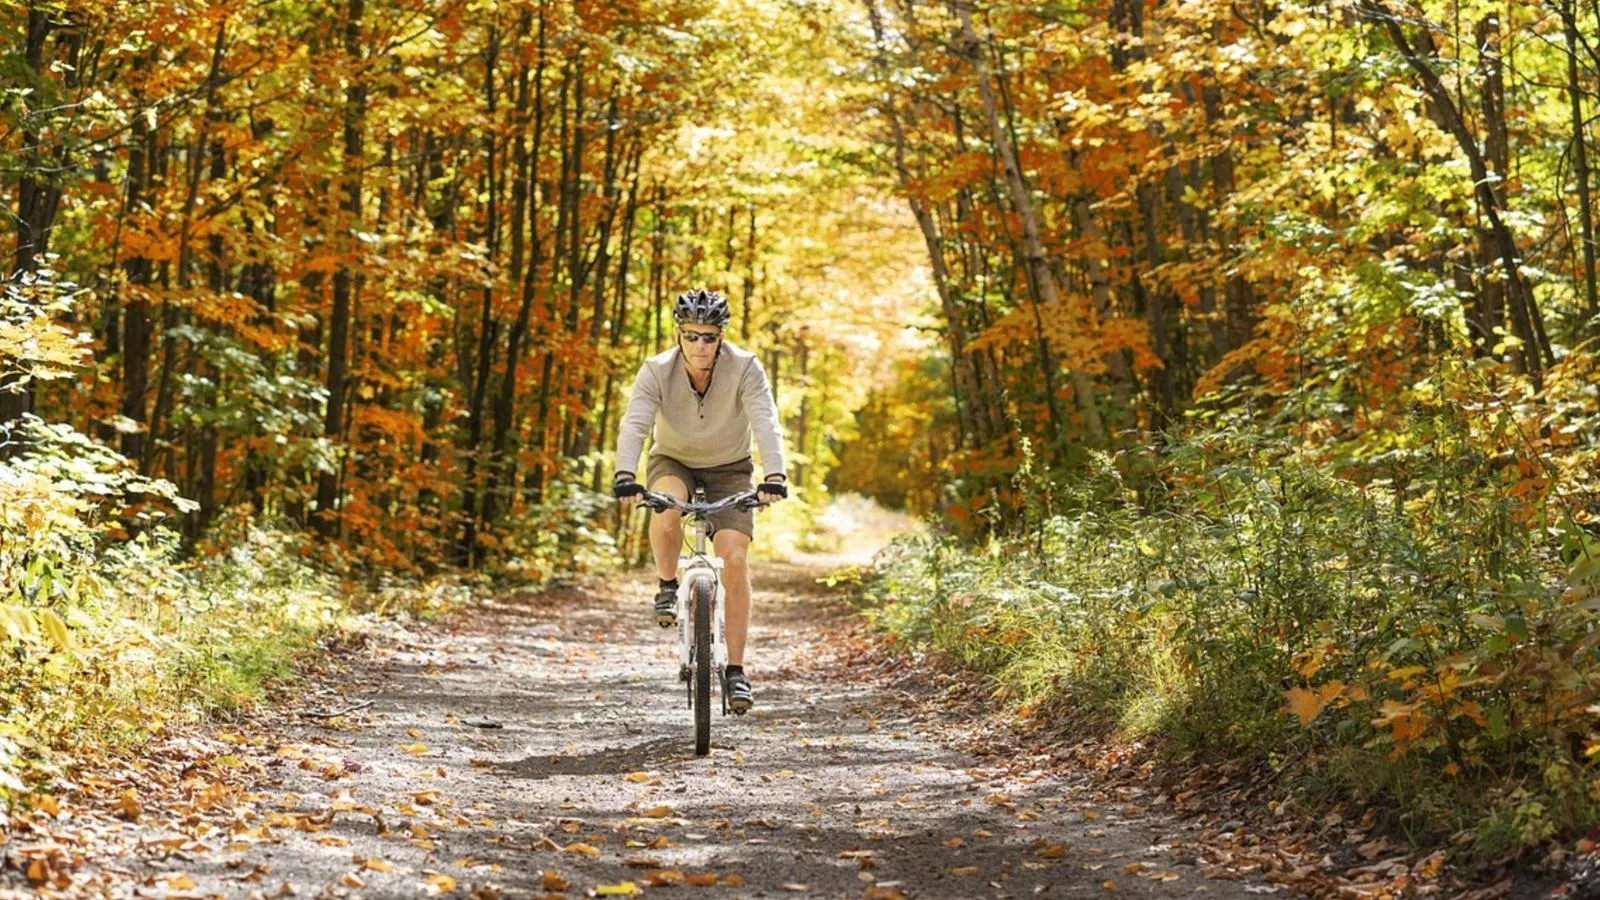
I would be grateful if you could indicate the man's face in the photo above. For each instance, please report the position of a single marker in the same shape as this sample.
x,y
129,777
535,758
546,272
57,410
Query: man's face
x,y
699,343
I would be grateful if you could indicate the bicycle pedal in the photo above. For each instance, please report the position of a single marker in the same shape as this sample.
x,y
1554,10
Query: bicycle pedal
x,y
666,621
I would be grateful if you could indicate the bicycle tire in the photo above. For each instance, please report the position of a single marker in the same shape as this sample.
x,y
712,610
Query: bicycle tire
x,y
701,592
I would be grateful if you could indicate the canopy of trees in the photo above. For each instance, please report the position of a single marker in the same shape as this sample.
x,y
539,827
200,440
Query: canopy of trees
x,y
383,268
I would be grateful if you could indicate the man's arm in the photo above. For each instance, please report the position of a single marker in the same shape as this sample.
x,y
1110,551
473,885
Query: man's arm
x,y
637,421
763,413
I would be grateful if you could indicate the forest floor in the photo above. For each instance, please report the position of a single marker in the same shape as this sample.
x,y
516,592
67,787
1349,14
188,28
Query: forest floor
x,y
539,745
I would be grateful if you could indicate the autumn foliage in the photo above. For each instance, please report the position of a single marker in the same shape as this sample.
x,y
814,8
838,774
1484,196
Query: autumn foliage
x,y
1267,385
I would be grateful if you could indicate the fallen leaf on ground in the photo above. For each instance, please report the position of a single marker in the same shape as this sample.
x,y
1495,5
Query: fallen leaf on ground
x,y
585,849
417,749
554,882
439,883
622,889
127,806
964,871
701,879
637,777
662,877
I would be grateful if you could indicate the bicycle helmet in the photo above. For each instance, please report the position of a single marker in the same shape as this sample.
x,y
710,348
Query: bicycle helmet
x,y
701,307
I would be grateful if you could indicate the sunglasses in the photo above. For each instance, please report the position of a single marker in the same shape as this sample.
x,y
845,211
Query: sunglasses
x,y
698,337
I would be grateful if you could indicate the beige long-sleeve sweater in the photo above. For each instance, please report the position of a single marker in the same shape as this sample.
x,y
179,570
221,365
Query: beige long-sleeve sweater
x,y
707,431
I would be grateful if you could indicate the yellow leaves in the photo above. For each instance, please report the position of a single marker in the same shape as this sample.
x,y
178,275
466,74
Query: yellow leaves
x,y
438,884
638,777
622,889
374,864
174,881
416,748
582,849
658,812
55,630
127,806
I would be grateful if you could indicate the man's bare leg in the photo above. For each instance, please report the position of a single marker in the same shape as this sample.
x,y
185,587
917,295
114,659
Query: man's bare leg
x,y
734,547
666,528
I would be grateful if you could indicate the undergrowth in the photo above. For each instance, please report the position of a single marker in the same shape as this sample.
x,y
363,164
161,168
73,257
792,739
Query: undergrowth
x,y
113,631
1428,647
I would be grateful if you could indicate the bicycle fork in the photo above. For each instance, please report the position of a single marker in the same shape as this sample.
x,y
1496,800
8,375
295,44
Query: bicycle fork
x,y
691,570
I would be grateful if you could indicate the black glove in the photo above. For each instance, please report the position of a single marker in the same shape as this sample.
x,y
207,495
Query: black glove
x,y
625,486
770,490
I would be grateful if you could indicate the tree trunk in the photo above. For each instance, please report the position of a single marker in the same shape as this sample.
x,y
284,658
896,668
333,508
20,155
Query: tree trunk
x,y
488,325
38,199
524,208
1033,245
1580,165
355,100
965,380
1490,199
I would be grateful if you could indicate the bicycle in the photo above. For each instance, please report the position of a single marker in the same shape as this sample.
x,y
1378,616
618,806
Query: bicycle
x,y
700,594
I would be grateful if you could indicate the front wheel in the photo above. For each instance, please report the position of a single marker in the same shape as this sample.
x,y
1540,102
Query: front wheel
x,y
702,592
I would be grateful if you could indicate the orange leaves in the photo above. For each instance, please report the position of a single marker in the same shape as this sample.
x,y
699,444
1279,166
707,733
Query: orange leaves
x,y
1405,721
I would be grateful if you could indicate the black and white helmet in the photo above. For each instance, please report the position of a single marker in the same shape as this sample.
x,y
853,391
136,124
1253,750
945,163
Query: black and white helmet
x,y
701,307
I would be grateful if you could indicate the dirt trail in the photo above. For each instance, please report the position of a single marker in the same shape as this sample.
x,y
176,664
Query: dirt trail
x,y
488,755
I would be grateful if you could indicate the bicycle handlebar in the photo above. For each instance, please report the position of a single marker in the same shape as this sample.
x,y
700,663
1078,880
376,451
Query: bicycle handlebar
x,y
663,502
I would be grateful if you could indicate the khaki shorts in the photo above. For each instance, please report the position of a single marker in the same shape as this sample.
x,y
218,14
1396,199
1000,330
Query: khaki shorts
x,y
719,482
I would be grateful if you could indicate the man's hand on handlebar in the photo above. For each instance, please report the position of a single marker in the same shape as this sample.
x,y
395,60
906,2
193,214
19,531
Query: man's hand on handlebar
x,y
772,490
627,491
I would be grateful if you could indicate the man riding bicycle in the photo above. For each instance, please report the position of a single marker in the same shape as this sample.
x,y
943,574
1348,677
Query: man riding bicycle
x,y
704,398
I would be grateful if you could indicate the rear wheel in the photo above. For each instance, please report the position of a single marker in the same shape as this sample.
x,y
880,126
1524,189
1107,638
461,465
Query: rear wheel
x,y
701,592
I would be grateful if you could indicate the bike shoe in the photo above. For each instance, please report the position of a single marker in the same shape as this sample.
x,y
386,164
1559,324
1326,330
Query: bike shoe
x,y
736,688
667,607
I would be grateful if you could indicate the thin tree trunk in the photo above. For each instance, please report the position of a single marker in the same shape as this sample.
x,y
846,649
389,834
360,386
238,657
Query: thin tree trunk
x,y
965,381
488,325
136,322
355,100
1036,262
1580,164
524,209
1484,187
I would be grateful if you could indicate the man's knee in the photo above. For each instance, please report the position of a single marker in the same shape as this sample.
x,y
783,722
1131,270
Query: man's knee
x,y
734,554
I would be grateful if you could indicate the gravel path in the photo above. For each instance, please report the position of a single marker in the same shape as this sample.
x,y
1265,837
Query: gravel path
x,y
541,746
